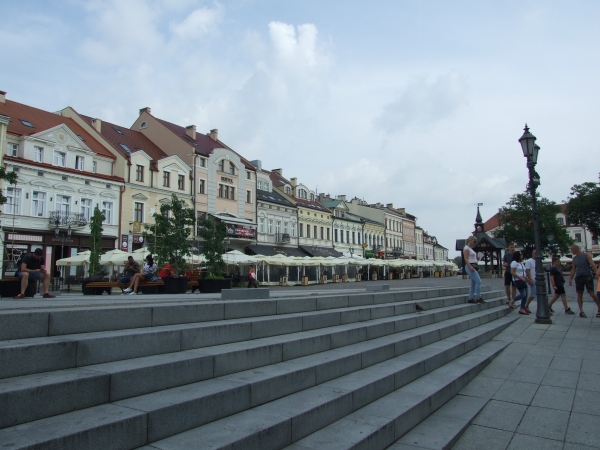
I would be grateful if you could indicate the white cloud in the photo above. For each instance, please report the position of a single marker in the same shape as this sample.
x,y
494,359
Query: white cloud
x,y
198,23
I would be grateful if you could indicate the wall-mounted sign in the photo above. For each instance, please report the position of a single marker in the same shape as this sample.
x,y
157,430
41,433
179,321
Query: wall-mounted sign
x,y
137,227
124,241
241,232
137,239
227,180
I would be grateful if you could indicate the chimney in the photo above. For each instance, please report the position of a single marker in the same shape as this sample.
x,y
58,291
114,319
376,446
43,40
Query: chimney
x,y
341,197
257,163
390,205
278,171
2,97
97,124
214,134
294,182
146,109
191,131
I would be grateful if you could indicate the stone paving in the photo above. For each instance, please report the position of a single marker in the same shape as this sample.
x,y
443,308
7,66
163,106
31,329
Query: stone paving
x,y
543,391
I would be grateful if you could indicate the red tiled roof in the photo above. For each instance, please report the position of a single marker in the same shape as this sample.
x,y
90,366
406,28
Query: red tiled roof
x,y
44,120
491,223
278,181
203,144
134,140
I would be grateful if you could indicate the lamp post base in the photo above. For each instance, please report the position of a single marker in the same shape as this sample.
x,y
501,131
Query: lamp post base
x,y
543,320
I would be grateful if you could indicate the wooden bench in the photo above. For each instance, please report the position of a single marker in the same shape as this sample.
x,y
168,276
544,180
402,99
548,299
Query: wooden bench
x,y
11,286
146,287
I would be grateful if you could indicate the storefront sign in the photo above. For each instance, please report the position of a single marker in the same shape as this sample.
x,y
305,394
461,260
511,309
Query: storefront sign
x,y
369,253
241,232
124,241
137,239
137,227
227,180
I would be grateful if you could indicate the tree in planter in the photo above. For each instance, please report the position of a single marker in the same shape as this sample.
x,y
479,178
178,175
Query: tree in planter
x,y
516,224
95,238
167,237
213,233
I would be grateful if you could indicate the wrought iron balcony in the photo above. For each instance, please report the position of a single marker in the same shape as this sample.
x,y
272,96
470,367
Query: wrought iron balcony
x,y
282,237
66,219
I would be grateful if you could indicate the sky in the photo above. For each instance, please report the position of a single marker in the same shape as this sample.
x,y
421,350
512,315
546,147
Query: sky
x,y
416,103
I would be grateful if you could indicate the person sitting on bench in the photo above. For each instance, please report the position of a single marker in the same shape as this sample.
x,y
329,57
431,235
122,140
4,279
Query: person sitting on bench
x,y
148,274
131,268
33,267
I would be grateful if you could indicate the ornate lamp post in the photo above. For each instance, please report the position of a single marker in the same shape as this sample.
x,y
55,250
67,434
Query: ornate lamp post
x,y
351,250
530,151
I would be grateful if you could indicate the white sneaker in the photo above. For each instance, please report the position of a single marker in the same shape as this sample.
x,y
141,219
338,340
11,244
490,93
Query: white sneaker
x,y
127,291
133,293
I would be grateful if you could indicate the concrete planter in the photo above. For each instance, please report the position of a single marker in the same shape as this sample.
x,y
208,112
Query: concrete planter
x,y
175,285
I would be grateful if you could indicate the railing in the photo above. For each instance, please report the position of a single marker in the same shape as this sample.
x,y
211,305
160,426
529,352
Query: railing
x,y
282,237
66,219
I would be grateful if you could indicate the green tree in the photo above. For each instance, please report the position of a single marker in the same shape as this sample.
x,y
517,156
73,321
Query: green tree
x,y
11,177
516,224
95,238
167,237
213,233
583,207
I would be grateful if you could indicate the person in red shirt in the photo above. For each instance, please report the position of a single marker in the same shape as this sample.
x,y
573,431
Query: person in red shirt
x,y
166,271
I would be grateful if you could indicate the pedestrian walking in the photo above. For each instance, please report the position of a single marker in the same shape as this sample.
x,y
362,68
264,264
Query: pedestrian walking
x,y
509,287
251,277
530,271
520,280
472,269
583,270
558,284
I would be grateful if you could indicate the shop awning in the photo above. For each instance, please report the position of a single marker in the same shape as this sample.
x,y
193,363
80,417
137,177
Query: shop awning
x,y
227,218
272,250
321,251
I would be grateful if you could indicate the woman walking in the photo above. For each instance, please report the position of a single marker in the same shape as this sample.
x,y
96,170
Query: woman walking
x,y
251,277
147,274
472,268
519,274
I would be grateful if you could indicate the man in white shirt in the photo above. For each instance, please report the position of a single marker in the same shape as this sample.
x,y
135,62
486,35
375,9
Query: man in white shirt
x,y
530,270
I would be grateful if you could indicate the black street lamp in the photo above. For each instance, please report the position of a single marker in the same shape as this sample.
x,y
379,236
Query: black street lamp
x,y
62,239
530,151
351,250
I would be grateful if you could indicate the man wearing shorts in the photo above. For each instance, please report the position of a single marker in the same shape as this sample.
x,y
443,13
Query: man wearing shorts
x,y
583,269
33,267
558,283
530,270
509,287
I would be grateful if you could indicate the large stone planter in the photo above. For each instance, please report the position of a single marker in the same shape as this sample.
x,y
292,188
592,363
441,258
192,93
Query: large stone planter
x,y
214,286
175,285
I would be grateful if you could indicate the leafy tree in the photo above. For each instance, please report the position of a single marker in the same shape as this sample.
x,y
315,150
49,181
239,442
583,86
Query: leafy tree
x,y
11,177
516,224
213,233
458,260
167,237
95,238
583,207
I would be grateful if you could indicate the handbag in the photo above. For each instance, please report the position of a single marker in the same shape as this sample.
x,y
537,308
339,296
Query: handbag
x,y
520,284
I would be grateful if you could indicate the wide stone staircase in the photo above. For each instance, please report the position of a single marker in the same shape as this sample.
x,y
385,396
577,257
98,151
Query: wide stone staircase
x,y
339,371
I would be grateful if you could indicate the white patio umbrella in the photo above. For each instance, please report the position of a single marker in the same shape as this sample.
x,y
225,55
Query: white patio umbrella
x,y
237,257
79,259
114,257
565,259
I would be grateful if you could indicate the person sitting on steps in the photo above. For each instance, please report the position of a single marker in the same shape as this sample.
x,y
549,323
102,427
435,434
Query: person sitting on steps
x,y
33,267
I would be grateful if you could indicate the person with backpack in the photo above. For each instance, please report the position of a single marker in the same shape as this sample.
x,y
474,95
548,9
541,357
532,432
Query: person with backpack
x,y
33,267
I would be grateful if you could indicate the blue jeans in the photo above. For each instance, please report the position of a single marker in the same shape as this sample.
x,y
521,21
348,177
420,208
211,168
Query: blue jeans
x,y
522,296
532,290
475,283
125,279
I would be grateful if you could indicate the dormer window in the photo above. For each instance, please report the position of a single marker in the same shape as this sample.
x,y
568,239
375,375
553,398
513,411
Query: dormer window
x,y
143,125
266,186
231,168
118,131
288,190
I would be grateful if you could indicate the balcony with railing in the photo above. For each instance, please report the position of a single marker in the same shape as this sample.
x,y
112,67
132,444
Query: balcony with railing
x,y
282,237
66,219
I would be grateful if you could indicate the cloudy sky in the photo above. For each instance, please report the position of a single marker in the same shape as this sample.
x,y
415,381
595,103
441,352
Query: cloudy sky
x,y
415,103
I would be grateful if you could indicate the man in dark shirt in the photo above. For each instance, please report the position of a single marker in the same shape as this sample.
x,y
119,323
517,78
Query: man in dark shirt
x,y
558,283
131,268
506,260
33,267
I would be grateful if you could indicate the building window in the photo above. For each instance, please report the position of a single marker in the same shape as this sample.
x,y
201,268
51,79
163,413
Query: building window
x,y
13,201
261,225
166,179
94,166
201,187
278,227
322,233
288,190
60,159
139,172
307,230
327,233
202,162
38,204
270,226
63,204
259,185
107,210
594,240
227,192
12,149
79,163
561,221
315,235
231,168
138,212
301,193
222,165
248,175
285,228
293,229
353,237
335,235
86,208
577,237
248,196
38,154
181,182
312,197
266,186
